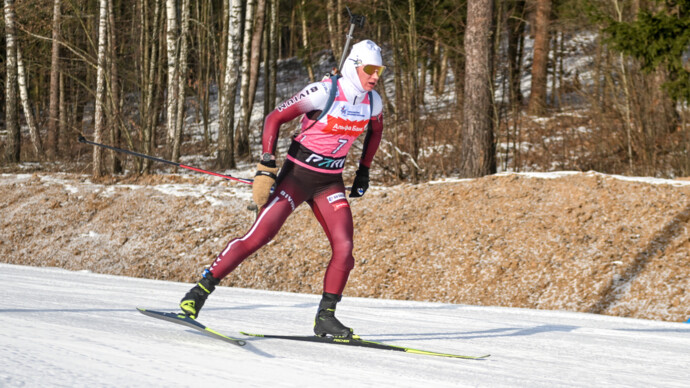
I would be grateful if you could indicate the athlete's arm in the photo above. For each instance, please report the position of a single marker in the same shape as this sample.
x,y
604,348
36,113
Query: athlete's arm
x,y
374,132
312,97
372,140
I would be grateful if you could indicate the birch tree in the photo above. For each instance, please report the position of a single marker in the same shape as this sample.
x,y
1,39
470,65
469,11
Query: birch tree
x,y
171,40
254,59
226,149
242,132
13,147
477,152
100,88
26,106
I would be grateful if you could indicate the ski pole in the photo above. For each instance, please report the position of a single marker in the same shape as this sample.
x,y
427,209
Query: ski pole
x,y
82,139
355,20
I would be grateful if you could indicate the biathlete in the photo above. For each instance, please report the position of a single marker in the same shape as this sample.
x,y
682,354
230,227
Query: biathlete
x,y
312,173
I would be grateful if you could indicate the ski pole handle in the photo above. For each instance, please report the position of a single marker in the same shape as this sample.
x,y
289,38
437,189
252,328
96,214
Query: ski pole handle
x,y
82,139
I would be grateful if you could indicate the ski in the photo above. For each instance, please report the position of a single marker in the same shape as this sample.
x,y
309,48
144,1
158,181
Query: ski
x,y
357,341
183,319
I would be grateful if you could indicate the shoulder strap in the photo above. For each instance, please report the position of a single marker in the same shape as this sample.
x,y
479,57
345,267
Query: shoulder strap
x,y
371,109
331,96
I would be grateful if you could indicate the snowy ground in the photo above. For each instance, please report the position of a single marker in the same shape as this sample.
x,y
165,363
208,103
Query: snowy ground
x,y
62,328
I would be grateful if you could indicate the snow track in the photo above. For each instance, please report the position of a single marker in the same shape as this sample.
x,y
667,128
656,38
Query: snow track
x,y
60,328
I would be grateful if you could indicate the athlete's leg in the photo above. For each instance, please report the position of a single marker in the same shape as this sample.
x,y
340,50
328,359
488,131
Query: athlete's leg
x,y
286,197
288,194
333,212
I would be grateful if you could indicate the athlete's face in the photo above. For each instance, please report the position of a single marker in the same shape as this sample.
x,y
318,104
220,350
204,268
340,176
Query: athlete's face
x,y
369,76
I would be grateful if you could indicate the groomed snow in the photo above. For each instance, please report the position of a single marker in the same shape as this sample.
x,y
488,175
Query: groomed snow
x,y
67,329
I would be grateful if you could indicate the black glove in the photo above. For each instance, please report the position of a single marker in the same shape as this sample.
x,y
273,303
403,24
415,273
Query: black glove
x,y
361,183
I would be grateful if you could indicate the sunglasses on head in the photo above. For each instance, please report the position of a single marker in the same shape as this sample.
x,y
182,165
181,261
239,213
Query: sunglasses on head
x,y
371,69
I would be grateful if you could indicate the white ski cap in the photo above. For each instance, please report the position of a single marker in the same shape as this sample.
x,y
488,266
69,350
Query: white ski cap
x,y
365,52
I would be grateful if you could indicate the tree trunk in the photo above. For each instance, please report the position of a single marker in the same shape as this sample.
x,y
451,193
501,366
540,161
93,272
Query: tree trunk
x,y
305,42
114,118
242,132
477,153
14,139
537,99
204,37
26,106
62,115
181,81
396,112
173,66
255,58
412,89
53,110
150,73
272,59
100,88
226,146
333,30
515,32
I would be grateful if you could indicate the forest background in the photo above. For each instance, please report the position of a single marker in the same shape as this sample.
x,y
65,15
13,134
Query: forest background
x,y
466,90
470,89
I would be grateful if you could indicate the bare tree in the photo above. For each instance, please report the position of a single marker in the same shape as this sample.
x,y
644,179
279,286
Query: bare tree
x,y
204,44
171,36
181,80
242,131
255,57
477,153
114,117
334,29
412,87
271,59
305,41
226,149
53,110
100,88
151,73
537,100
13,148
26,106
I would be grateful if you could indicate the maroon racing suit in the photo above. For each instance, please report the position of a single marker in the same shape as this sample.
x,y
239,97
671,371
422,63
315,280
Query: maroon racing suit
x,y
312,174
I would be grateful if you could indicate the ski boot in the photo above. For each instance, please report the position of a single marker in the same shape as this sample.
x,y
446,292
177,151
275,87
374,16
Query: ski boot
x,y
326,323
194,300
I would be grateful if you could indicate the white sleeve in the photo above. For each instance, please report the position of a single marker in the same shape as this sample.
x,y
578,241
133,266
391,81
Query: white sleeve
x,y
316,95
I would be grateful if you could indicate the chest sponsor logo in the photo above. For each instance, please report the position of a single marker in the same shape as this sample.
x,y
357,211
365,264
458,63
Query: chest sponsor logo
x,y
350,113
341,126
